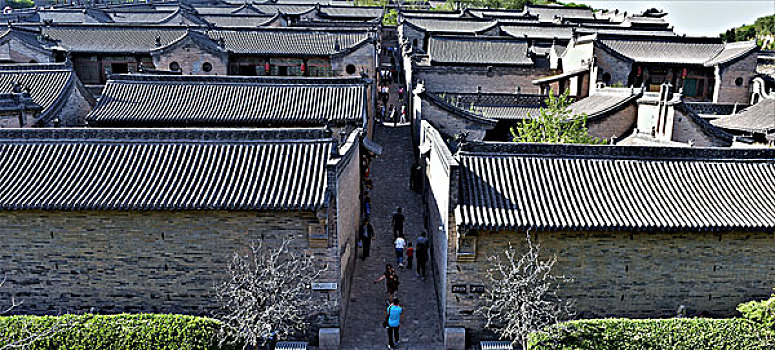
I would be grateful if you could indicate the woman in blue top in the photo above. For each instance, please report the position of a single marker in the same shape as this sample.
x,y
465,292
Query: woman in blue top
x,y
394,315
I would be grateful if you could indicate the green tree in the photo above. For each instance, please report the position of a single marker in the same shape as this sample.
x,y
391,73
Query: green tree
x,y
390,18
555,124
20,4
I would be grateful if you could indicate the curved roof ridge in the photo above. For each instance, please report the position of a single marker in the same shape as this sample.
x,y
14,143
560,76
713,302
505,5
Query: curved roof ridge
x,y
457,110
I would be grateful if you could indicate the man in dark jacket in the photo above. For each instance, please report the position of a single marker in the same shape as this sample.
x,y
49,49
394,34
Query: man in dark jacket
x,y
421,251
366,235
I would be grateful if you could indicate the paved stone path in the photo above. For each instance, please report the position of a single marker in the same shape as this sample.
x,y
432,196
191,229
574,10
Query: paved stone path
x,y
420,328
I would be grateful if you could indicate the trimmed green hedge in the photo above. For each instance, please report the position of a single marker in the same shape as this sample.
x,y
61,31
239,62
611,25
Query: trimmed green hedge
x,y
115,332
664,334
760,311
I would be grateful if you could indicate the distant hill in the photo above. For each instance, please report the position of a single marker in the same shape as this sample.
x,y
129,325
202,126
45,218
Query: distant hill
x,y
762,30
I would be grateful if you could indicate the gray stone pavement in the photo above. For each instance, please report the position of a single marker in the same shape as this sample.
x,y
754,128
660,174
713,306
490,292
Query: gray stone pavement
x,y
420,328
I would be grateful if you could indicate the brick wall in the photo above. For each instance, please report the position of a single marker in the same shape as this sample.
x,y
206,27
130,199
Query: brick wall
x,y
414,37
726,88
21,53
77,106
132,261
634,274
616,124
617,68
348,215
685,130
191,57
439,167
449,124
364,58
467,79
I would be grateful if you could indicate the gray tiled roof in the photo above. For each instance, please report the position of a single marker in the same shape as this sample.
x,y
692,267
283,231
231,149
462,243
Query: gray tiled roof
x,y
66,17
603,103
140,17
491,106
110,169
215,10
351,12
164,101
478,50
286,9
497,13
650,21
548,13
759,118
664,50
508,112
238,21
731,52
446,25
625,31
564,187
293,42
538,32
49,84
111,39
431,14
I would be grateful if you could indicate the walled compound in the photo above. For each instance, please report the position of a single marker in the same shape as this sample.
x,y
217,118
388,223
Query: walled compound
x,y
145,220
134,166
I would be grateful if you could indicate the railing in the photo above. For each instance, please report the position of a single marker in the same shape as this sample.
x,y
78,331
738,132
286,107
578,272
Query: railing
x,y
495,345
291,345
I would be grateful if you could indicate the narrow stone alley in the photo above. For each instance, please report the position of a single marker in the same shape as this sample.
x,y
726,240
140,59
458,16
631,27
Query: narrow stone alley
x,y
420,328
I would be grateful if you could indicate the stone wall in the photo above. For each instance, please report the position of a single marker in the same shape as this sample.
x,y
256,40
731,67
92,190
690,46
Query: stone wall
x,y
615,125
450,124
685,130
348,214
490,79
727,90
632,273
133,261
412,36
364,58
607,63
78,104
439,166
191,59
18,52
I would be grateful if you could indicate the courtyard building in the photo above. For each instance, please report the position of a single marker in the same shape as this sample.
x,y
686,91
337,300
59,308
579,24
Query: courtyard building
x,y
146,220
641,230
163,101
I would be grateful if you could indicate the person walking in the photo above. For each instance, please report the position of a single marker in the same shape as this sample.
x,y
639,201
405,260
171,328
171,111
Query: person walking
x,y
391,280
400,244
421,251
398,223
394,315
366,235
403,114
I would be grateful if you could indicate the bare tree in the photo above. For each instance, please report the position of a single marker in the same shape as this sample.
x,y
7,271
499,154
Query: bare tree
x,y
27,332
268,294
523,296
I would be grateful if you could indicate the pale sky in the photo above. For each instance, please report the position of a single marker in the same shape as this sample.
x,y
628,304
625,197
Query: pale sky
x,y
693,17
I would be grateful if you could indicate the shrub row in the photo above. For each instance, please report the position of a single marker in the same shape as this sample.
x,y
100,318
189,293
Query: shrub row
x,y
760,311
662,334
114,332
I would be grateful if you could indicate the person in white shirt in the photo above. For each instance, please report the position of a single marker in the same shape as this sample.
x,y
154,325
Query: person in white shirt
x,y
400,245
